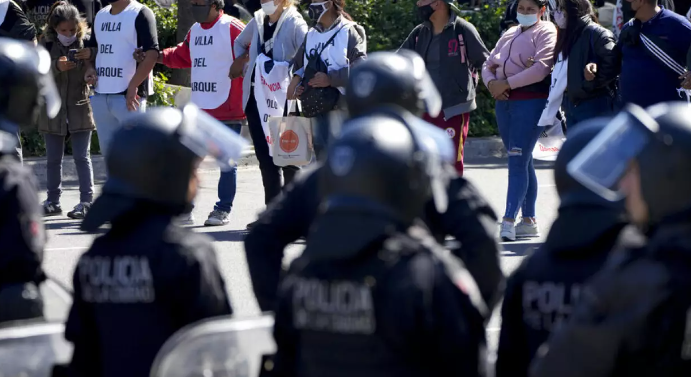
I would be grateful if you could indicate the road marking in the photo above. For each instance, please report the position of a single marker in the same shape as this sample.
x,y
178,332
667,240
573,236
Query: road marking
x,y
66,248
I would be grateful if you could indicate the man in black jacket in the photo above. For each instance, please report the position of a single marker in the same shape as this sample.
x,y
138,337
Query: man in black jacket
x,y
632,319
146,277
453,52
469,218
27,84
543,291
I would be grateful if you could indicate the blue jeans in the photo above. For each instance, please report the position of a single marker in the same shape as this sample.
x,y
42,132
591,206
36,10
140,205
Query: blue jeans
x,y
109,111
517,123
589,109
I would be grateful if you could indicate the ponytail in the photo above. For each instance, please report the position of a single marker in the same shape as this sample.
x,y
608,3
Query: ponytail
x,y
340,8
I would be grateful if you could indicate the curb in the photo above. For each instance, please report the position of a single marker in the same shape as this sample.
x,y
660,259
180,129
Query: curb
x,y
481,147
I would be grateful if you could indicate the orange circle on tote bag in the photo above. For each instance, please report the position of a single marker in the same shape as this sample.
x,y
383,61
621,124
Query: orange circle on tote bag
x,y
289,141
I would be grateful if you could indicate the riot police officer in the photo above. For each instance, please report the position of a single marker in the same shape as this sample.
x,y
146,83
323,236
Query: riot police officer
x,y
146,277
633,318
27,89
373,294
401,81
543,290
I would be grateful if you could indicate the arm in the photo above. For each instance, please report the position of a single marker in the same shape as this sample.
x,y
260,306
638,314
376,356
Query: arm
x,y
244,39
16,25
475,47
178,56
298,62
513,358
285,220
357,50
609,60
488,74
147,38
471,220
546,41
300,31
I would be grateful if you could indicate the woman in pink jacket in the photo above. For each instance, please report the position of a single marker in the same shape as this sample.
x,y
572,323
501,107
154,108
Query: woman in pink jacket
x,y
517,75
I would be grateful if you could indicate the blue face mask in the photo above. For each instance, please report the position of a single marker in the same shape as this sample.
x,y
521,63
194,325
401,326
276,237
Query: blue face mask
x,y
526,20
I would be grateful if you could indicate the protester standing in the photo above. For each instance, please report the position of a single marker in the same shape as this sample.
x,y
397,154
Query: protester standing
x,y
323,62
121,85
454,69
581,41
516,75
271,38
65,31
208,50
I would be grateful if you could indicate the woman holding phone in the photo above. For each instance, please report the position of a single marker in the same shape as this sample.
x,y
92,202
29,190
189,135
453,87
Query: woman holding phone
x,y
63,37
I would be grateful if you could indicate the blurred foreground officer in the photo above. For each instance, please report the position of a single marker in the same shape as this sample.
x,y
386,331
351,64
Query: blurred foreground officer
x,y
542,292
388,85
146,277
374,294
26,89
634,318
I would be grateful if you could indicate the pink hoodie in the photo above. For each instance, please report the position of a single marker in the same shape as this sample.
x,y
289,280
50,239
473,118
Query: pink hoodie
x,y
513,50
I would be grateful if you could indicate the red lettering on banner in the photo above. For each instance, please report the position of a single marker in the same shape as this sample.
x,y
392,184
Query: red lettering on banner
x,y
545,149
272,87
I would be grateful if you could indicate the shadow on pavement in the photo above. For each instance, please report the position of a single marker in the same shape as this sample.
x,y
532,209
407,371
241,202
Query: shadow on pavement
x,y
227,235
500,163
519,249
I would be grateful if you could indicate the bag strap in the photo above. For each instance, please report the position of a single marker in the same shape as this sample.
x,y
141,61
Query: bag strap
x,y
658,53
289,113
325,44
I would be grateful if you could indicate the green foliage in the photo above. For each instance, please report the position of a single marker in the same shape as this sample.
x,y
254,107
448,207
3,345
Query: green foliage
x,y
163,95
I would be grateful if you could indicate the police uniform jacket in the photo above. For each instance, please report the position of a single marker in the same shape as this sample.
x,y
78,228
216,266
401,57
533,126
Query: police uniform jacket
x,y
137,285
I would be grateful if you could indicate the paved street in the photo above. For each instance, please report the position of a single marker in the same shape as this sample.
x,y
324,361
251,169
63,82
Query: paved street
x,y
66,242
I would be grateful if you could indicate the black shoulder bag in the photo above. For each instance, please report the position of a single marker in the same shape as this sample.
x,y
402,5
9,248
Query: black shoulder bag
x,y
316,101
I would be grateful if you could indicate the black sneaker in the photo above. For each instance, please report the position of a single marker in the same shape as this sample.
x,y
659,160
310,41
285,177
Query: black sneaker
x,y
51,209
79,211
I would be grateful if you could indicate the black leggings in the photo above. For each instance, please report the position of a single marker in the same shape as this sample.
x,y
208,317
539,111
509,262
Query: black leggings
x,y
271,174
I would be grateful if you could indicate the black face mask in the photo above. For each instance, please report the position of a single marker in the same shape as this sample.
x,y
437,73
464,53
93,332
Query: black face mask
x,y
200,13
425,12
316,11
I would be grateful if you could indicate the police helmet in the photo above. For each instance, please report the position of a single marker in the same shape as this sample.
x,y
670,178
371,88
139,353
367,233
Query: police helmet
x,y
571,192
659,140
26,85
152,157
392,78
387,164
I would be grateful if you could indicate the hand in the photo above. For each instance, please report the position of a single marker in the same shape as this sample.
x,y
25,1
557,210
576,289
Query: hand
x,y
686,80
132,99
90,76
503,96
83,54
590,71
138,55
293,87
531,62
238,67
320,80
499,88
64,64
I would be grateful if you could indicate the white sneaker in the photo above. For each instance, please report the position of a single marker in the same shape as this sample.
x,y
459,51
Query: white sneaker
x,y
508,231
185,219
524,229
217,218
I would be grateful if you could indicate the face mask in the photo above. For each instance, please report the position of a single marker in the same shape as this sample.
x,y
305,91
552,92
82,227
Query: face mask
x,y
526,20
560,19
200,13
67,41
316,11
269,8
425,12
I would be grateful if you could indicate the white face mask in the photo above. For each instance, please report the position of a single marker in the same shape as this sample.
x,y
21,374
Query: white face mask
x,y
526,19
269,8
67,41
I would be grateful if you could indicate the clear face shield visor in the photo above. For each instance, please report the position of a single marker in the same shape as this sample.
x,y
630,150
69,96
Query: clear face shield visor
x,y
602,164
206,136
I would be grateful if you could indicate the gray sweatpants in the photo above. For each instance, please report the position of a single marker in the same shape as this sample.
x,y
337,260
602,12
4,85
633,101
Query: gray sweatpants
x,y
55,150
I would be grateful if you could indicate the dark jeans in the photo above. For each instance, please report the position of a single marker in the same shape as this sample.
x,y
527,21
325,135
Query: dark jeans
x,y
55,151
271,174
589,109
227,184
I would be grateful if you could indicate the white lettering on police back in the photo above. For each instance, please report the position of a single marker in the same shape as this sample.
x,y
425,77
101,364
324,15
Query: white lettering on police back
x,y
547,304
339,307
116,280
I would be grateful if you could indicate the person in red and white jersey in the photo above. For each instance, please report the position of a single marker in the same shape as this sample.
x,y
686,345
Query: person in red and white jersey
x,y
208,51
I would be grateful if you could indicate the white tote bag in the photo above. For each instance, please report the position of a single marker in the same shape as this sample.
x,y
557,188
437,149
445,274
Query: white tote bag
x,y
549,144
291,136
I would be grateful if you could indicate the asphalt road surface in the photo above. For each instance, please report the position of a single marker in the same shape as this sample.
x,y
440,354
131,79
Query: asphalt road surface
x,y
66,242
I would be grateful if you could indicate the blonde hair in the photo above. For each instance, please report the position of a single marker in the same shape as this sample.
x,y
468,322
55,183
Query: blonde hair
x,y
287,3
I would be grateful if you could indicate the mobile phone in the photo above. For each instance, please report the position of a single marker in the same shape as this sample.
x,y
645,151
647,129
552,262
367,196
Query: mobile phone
x,y
70,55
